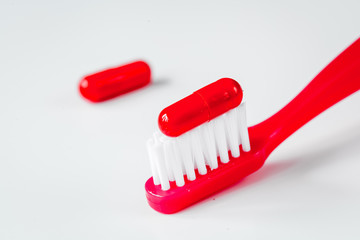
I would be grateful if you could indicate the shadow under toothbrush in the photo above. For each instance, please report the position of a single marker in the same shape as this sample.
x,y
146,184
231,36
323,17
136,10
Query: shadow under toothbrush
x,y
343,141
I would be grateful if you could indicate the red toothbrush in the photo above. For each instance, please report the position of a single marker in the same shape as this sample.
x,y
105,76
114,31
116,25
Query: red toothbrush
x,y
189,126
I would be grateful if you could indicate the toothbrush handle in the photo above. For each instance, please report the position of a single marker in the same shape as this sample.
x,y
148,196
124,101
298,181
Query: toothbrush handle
x,y
338,80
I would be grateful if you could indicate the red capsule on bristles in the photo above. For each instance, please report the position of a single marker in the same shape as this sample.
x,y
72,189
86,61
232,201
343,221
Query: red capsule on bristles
x,y
203,105
113,82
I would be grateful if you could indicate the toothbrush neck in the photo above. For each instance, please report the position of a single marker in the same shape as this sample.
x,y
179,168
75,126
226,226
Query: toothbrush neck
x,y
338,80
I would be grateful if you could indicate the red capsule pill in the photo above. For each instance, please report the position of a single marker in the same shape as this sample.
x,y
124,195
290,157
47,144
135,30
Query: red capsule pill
x,y
200,107
113,82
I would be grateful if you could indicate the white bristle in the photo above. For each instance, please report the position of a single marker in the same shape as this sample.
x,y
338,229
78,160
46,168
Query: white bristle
x,y
187,156
160,164
209,145
244,134
150,147
220,138
232,129
177,166
173,157
197,150
168,154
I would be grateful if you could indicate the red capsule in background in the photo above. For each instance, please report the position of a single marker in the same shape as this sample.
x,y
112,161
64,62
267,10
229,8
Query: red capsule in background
x,y
113,82
200,107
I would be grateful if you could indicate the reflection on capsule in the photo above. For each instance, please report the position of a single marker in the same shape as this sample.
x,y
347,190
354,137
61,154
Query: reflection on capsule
x,y
201,106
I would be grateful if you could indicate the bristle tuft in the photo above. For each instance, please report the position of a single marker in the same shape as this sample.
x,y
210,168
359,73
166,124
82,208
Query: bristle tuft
x,y
171,158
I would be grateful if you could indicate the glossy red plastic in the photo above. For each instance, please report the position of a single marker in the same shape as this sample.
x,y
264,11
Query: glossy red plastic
x,y
338,80
113,82
200,107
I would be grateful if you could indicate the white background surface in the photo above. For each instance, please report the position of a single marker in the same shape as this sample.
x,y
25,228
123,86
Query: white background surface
x,y
70,169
